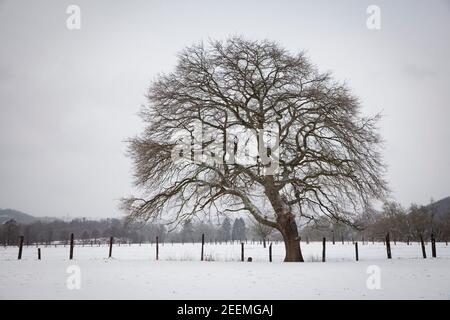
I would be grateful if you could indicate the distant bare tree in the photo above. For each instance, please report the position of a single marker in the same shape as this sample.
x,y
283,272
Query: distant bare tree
x,y
261,230
11,230
419,221
325,157
394,220
95,234
85,236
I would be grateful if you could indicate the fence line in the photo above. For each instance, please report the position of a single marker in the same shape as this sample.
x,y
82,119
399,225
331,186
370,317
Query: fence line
x,y
262,242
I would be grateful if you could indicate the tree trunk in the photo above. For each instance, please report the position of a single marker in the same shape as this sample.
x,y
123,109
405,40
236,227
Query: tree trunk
x,y
288,228
286,225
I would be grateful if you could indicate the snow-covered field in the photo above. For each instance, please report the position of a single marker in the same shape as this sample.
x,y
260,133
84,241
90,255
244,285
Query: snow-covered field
x,y
133,273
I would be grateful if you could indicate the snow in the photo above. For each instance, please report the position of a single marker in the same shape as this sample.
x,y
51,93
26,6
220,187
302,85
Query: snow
x,y
133,273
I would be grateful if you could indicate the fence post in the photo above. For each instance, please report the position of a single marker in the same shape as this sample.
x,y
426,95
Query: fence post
x,y
20,248
424,253
270,252
39,253
242,251
71,247
356,251
342,239
264,243
433,246
388,247
111,240
333,236
203,244
157,248
323,249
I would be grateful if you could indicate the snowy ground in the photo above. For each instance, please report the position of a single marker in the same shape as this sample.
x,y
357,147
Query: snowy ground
x,y
133,273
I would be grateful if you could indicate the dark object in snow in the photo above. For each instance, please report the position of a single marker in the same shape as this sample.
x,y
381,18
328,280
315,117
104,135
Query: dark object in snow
x,y
388,247
71,247
249,259
20,248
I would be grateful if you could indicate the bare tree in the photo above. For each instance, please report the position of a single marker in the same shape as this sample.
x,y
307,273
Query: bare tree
x,y
325,159
394,220
419,221
261,230
85,236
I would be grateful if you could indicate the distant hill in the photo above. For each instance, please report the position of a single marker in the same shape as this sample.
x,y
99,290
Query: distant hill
x,y
442,208
21,217
7,214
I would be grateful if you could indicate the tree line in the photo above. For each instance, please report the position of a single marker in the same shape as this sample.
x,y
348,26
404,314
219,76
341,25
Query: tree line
x,y
92,230
403,224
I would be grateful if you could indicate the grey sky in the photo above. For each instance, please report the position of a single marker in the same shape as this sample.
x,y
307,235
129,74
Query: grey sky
x,y
68,99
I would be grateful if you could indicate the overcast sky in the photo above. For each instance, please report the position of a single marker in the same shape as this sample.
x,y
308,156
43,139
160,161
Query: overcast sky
x,y
69,98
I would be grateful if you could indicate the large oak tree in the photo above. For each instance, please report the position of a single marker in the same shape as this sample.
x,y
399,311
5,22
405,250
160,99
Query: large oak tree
x,y
324,160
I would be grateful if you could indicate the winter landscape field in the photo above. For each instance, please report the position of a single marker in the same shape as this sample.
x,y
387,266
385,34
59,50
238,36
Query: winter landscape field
x,y
148,147
134,273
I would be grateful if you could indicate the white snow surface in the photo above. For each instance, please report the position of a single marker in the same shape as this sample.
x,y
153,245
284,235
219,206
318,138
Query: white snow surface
x,y
133,272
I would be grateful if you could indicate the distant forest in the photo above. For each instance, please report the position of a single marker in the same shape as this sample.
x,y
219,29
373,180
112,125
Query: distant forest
x,y
402,224
85,230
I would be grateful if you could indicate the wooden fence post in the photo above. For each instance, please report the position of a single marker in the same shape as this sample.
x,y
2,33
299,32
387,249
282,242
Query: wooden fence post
x,y
242,251
433,246
323,249
71,247
39,253
20,248
111,240
264,242
157,248
270,252
424,253
388,247
203,244
356,251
